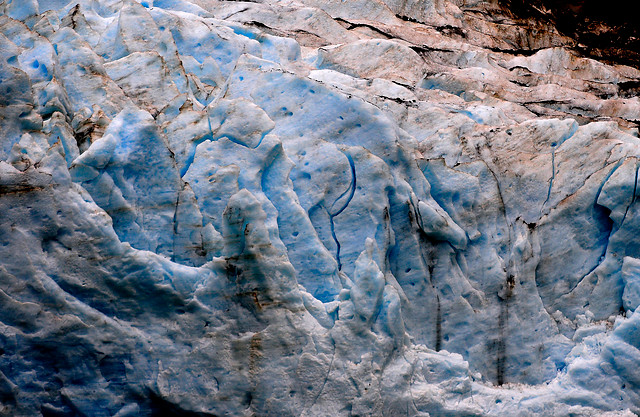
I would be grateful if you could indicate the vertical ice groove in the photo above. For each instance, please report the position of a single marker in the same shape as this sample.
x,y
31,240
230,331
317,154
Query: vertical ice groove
x,y
553,176
349,192
192,154
633,196
335,239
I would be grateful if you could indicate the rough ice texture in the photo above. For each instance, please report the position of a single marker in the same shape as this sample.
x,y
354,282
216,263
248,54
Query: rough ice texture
x,y
310,208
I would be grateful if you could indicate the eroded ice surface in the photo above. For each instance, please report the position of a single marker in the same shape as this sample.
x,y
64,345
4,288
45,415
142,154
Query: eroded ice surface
x,y
312,208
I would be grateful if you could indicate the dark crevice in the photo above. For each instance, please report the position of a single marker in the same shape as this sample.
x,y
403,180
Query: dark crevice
x,y
516,51
351,26
521,83
71,20
349,192
388,232
633,198
553,176
266,29
407,18
335,239
192,153
235,13
428,258
423,50
407,103
175,226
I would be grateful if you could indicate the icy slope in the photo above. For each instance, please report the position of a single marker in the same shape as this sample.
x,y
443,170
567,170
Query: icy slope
x,y
313,208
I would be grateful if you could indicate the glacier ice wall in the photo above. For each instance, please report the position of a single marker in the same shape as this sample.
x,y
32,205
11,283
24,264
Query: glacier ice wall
x,y
307,208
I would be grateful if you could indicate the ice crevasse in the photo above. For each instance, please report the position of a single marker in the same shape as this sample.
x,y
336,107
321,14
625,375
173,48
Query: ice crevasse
x,y
305,208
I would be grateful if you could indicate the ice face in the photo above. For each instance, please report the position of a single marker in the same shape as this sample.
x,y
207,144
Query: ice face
x,y
312,208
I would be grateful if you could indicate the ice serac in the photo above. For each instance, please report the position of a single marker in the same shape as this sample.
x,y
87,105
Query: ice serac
x,y
361,207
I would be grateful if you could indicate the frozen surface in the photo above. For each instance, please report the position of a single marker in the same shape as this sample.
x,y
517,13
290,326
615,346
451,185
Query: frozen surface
x,y
310,208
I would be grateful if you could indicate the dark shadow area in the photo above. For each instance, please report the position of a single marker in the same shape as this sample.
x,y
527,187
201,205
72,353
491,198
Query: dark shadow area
x,y
608,31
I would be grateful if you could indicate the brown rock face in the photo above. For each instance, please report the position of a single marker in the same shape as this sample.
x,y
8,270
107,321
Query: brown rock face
x,y
602,30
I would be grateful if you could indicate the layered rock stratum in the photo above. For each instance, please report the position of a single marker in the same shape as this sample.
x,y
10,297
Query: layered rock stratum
x,y
317,208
